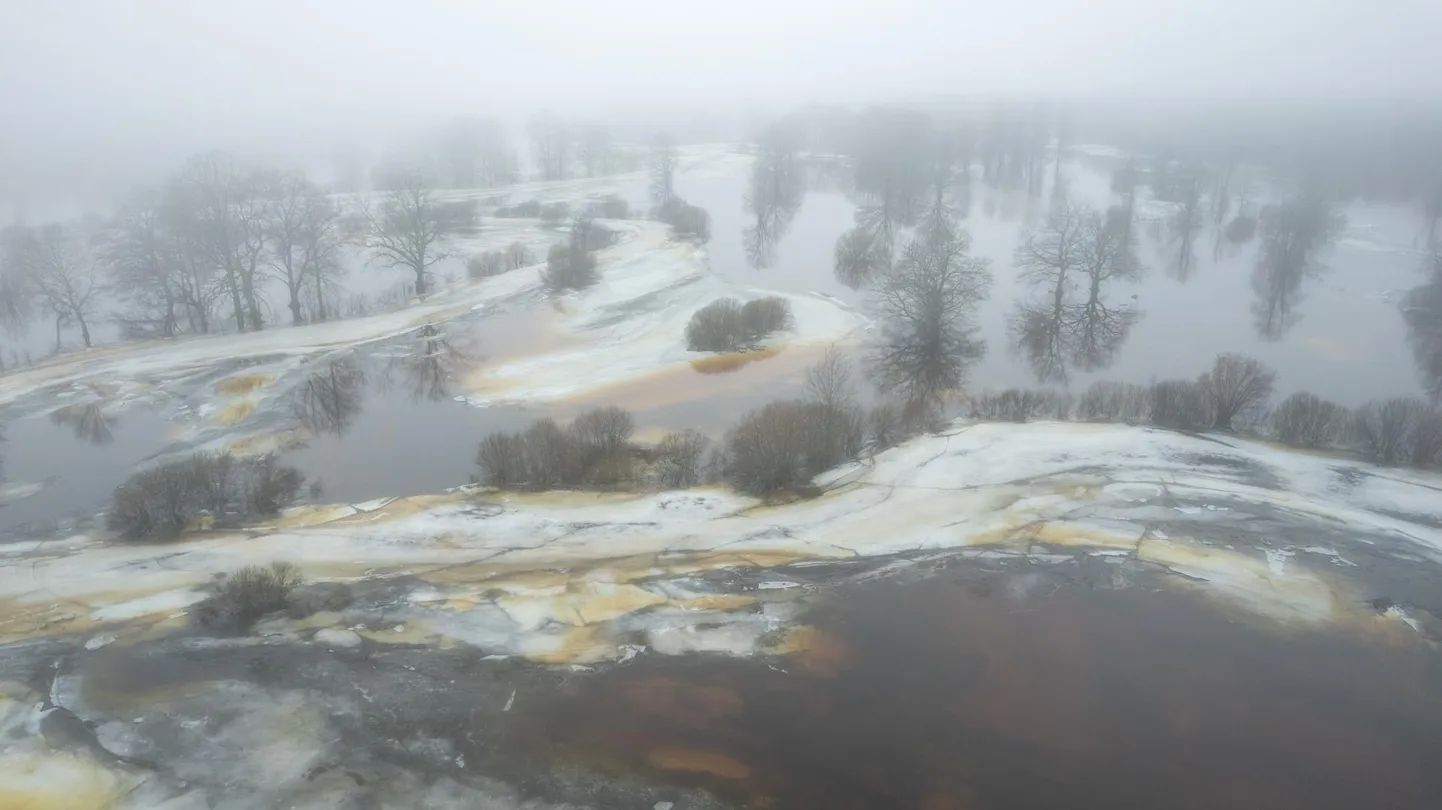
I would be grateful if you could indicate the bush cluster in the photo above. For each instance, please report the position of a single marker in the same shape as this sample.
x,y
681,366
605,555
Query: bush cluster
x,y
686,220
496,262
161,502
611,207
593,451
782,445
246,596
727,325
571,265
530,209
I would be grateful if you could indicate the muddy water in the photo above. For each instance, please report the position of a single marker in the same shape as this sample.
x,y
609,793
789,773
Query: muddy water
x,y
1020,691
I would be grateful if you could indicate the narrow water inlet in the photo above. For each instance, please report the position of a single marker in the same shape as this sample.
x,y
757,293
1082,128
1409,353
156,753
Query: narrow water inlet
x,y
1019,690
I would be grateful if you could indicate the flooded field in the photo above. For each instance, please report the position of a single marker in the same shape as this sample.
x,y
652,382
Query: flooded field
x,y
1053,687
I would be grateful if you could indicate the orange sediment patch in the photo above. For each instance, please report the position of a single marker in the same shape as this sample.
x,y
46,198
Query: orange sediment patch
x,y
235,386
816,650
724,363
695,760
234,413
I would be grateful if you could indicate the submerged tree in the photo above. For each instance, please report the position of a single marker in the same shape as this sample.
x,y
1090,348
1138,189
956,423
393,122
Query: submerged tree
x,y
1422,311
431,363
774,195
1293,233
1049,259
663,169
926,304
410,231
1185,223
1098,328
550,146
861,257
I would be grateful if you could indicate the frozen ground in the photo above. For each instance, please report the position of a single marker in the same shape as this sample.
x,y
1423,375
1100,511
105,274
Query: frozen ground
x,y
472,596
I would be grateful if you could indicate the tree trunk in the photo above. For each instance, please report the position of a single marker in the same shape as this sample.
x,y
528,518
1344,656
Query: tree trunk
x,y
252,304
84,330
295,317
57,334
236,302
420,282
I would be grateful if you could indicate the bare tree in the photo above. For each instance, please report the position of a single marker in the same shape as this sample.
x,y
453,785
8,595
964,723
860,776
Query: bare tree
x,y
1422,310
15,294
680,454
142,259
861,257
1235,385
63,274
303,232
1186,222
1386,430
550,146
828,380
330,398
925,306
663,169
1293,233
226,217
1098,328
593,149
1305,420
774,195
1048,259
409,231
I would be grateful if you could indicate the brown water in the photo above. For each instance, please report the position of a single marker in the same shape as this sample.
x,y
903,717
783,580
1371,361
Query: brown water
x,y
1020,692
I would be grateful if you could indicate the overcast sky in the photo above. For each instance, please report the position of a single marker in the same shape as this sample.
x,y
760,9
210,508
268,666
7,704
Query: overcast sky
x,y
112,79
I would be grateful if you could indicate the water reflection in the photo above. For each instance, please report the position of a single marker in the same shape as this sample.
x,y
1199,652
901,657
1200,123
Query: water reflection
x,y
1293,233
88,421
1069,263
329,400
1184,225
774,195
1422,310
430,365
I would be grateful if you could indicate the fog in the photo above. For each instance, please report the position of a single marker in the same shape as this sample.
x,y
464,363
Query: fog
x,y
101,95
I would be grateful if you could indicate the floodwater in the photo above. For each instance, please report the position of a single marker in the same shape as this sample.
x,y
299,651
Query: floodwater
x,y
973,691
78,462
1349,344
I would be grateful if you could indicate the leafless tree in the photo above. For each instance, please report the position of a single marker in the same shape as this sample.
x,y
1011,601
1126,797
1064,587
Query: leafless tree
x,y
925,305
829,380
1422,311
1181,405
409,231
1099,328
680,454
1293,233
61,270
15,293
663,169
302,227
1108,401
1236,385
1386,430
593,149
469,152
1049,260
550,146
774,195
1186,222
227,217
141,255
861,257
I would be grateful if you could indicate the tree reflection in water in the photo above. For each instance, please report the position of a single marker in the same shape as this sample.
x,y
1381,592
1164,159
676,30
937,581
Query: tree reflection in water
x,y
88,421
330,399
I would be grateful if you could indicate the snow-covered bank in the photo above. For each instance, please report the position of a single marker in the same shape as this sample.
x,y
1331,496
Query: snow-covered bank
x,y
1281,534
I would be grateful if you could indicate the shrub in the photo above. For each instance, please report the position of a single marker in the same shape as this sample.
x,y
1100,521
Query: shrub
x,y
1106,401
246,596
555,213
593,451
530,209
485,265
1236,385
568,268
1305,420
518,256
502,459
161,502
1387,430
679,458
727,326
612,207
716,327
685,220
784,444
1427,440
763,316
883,425
1181,405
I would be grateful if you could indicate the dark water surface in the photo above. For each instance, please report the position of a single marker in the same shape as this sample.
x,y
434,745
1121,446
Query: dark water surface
x,y
1021,691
